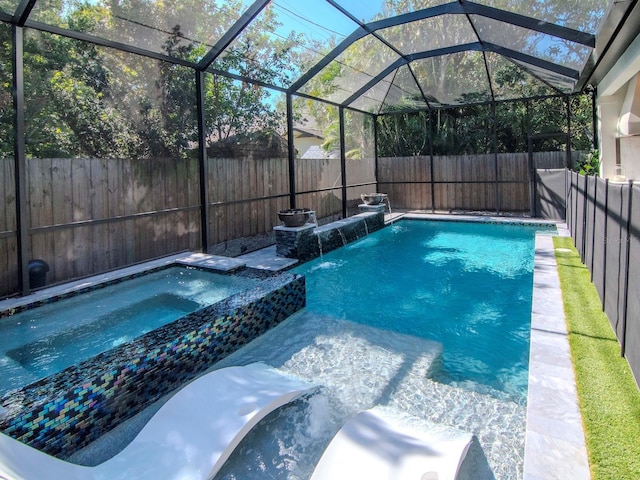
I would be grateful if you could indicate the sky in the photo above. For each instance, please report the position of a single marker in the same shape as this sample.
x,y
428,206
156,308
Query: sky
x,y
308,16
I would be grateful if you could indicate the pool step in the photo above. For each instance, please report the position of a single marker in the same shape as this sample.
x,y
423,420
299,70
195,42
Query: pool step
x,y
267,259
212,262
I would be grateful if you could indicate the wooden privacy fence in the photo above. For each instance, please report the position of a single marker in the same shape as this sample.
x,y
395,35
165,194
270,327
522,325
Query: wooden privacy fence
x,y
246,194
92,215
86,216
463,182
604,219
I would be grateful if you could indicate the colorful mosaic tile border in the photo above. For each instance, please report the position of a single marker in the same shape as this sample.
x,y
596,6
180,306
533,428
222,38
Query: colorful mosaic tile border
x,y
66,411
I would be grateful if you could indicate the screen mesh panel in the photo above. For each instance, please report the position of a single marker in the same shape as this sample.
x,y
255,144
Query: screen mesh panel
x,y
613,253
550,194
589,231
632,338
599,238
580,213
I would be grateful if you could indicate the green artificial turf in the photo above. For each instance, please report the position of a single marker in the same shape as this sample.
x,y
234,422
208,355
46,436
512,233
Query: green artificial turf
x,y
609,397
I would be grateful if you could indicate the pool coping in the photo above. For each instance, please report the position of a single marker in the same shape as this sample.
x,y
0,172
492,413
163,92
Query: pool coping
x,y
555,446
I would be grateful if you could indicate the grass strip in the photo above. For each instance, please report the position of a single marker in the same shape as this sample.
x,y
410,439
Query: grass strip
x,y
608,395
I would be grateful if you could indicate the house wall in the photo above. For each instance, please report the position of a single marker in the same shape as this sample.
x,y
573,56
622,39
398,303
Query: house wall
x,y
608,111
629,149
303,144
618,94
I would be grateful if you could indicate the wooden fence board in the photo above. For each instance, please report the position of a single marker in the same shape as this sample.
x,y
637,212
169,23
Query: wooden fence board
x,y
9,280
6,195
115,208
6,277
235,228
247,219
252,192
100,210
170,240
62,265
81,210
128,226
195,239
39,206
214,195
158,224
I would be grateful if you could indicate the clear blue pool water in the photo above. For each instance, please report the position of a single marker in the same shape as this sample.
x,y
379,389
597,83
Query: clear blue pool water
x,y
465,285
429,319
47,339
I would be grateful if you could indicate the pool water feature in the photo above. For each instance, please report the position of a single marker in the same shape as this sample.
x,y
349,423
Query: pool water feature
x,y
41,341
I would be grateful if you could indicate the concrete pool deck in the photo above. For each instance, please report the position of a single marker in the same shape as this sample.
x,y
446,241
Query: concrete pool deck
x,y
555,444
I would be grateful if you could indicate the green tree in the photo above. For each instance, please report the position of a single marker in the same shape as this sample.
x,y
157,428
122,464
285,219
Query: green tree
x,y
67,92
85,100
404,134
6,97
88,100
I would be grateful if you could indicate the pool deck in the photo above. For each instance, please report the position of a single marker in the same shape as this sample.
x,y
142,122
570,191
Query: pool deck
x,y
555,444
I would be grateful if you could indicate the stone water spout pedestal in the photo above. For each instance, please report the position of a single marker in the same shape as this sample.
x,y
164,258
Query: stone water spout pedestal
x,y
379,208
295,242
310,241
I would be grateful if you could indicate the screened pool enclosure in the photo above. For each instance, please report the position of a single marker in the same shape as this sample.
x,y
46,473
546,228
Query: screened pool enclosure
x,y
132,130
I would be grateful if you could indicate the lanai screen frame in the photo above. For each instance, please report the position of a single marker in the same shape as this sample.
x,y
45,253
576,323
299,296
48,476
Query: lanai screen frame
x,y
20,20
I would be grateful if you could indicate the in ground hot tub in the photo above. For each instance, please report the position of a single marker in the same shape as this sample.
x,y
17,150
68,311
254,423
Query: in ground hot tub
x,y
83,372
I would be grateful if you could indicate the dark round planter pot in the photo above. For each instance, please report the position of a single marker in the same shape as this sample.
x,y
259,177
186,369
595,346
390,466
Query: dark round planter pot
x,y
372,198
294,217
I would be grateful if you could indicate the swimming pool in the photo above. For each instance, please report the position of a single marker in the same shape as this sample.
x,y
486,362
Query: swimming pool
x,y
363,359
465,285
41,341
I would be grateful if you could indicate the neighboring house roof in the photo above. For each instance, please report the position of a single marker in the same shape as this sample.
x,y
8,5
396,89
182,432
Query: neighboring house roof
x,y
301,132
316,151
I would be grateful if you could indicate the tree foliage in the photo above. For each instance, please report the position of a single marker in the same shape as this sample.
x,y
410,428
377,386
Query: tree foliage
x,y
444,82
470,129
85,100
